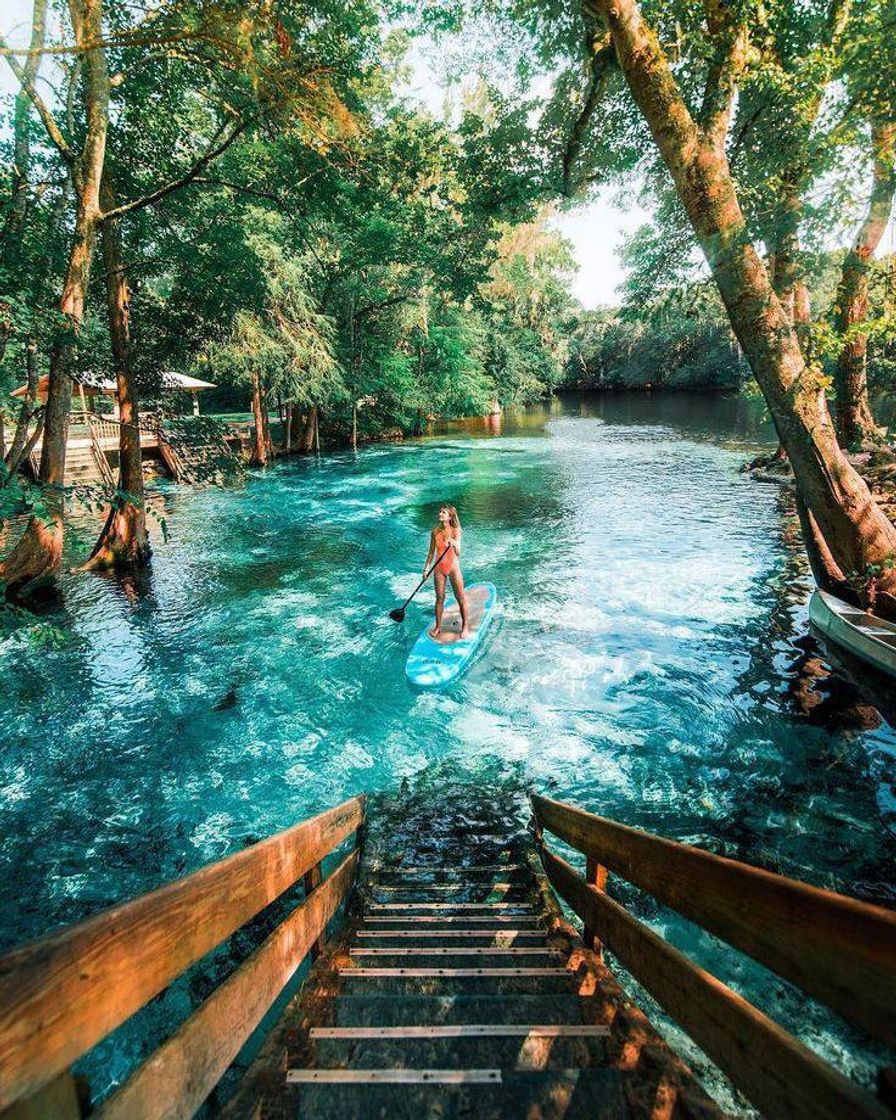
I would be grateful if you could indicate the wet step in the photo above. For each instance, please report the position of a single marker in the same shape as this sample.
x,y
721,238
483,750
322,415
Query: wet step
x,y
403,982
367,1009
423,937
454,956
441,873
400,919
505,891
443,907
530,1046
589,1094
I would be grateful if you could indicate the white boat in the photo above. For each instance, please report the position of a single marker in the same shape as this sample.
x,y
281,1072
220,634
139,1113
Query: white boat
x,y
861,633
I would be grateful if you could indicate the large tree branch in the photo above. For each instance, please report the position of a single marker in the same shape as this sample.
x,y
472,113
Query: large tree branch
x,y
602,56
651,81
191,175
729,60
43,111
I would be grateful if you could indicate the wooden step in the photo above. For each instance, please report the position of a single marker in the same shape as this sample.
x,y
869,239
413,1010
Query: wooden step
x,y
365,1008
489,1046
451,907
454,956
490,922
590,1094
439,871
423,936
404,982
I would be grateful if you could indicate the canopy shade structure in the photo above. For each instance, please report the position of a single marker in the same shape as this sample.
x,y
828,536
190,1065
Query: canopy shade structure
x,y
91,386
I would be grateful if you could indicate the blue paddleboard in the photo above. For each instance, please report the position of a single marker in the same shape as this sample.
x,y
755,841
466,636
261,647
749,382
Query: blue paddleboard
x,y
433,663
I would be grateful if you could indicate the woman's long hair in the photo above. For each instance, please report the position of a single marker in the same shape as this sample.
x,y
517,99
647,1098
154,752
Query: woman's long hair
x,y
453,519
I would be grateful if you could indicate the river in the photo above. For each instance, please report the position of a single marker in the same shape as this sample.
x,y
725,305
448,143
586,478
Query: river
x,y
650,663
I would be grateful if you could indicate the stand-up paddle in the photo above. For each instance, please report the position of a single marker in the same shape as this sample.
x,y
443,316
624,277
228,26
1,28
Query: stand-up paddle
x,y
398,614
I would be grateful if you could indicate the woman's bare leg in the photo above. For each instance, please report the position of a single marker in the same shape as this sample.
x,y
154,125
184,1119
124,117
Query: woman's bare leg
x,y
440,602
457,586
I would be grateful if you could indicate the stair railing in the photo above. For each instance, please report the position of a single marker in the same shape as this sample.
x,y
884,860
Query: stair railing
x,y
837,949
62,994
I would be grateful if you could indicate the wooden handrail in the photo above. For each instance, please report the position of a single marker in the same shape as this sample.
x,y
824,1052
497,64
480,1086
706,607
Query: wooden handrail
x,y
797,930
837,949
781,1076
62,994
179,1076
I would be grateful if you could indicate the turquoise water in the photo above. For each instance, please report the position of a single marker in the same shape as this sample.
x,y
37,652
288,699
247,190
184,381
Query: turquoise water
x,y
649,662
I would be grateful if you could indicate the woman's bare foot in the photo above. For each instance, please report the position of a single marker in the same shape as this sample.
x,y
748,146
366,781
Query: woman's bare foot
x,y
434,631
465,633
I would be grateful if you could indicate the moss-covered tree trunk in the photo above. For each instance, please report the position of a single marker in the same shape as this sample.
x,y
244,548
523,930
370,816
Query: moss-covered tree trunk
x,y
310,440
859,538
124,541
29,406
259,456
38,553
855,420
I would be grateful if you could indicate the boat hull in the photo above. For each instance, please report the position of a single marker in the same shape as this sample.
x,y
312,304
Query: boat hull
x,y
861,633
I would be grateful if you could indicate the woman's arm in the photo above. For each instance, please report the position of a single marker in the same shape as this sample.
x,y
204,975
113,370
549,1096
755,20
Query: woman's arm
x,y
455,542
432,550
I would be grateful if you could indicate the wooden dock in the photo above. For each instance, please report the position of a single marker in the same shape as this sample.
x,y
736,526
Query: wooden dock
x,y
447,981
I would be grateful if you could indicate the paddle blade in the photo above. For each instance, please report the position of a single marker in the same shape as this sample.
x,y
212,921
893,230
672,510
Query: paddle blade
x,y
397,615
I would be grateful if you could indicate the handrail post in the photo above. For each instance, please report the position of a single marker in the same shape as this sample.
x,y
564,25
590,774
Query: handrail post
x,y
58,1100
311,880
595,876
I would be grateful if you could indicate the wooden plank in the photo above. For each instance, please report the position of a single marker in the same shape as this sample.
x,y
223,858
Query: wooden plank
x,y
779,1075
312,880
839,950
466,1030
393,1076
61,995
515,919
177,1078
376,973
457,951
509,934
516,907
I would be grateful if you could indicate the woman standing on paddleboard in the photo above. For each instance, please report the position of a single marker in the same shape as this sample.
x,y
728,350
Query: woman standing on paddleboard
x,y
446,535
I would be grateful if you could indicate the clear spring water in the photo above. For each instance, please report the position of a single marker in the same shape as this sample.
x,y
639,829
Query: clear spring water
x,y
650,663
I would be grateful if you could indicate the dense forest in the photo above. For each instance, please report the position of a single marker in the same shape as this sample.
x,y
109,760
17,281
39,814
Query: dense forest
x,y
254,198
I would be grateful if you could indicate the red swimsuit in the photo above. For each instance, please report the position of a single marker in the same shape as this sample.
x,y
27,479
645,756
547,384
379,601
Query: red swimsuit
x,y
447,562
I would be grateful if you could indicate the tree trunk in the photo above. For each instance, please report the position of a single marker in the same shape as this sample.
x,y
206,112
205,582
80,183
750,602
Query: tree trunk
x,y
266,429
295,428
787,274
309,439
29,405
354,425
287,428
124,541
858,535
855,421
29,445
259,456
39,552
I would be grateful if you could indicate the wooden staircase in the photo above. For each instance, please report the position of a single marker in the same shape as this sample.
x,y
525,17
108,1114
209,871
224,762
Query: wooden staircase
x,y
195,456
454,986
458,989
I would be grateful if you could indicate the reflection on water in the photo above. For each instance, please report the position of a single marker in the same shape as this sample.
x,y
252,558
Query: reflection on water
x,y
650,663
